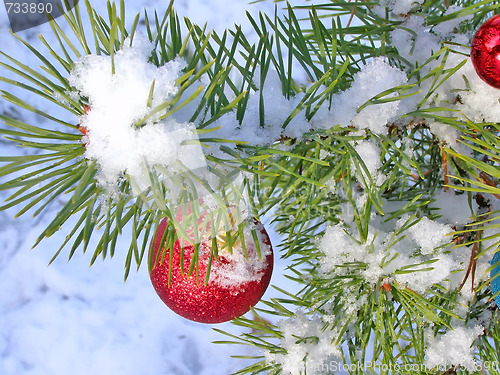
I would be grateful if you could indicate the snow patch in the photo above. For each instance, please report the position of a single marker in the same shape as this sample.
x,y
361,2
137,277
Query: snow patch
x,y
236,268
452,348
374,78
119,139
307,344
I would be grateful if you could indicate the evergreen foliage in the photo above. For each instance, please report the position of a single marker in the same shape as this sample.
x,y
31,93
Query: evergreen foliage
x,y
308,183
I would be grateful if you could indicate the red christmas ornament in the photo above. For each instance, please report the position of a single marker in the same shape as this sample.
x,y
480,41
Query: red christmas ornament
x,y
485,51
235,283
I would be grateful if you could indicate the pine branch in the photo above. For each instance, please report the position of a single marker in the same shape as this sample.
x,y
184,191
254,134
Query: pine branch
x,y
349,201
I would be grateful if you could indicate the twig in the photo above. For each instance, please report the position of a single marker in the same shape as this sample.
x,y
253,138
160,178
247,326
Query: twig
x,y
352,14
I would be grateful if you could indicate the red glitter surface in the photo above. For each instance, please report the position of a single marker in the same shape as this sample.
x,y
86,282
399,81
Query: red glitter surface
x,y
191,298
485,51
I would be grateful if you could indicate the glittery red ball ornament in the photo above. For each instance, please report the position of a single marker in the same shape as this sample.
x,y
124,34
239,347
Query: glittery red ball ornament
x,y
235,282
485,51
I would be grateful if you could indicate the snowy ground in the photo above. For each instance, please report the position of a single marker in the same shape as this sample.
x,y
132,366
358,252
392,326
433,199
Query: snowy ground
x,y
69,318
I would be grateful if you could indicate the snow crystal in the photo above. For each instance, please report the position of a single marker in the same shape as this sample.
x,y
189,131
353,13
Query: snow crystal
x,y
452,348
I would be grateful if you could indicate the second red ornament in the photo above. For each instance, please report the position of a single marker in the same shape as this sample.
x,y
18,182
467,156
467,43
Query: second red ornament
x,y
485,51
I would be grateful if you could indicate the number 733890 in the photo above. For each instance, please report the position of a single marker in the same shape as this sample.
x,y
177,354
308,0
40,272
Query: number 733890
x,y
29,8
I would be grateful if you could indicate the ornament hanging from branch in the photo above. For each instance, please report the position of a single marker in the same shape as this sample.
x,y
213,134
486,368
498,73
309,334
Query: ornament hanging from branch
x,y
238,276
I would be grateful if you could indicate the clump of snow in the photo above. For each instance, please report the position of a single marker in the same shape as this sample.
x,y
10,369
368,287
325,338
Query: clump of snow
x,y
452,348
236,268
369,152
429,234
117,141
397,8
417,47
308,345
481,101
340,248
331,185
276,110
352,302
445,133
453,207
423,276
374,78
418,254
403,6
448,28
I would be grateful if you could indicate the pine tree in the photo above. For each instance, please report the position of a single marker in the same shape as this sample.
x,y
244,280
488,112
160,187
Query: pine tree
x,y
361,128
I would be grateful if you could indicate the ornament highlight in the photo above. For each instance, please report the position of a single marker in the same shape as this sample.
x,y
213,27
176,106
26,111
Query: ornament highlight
x,y
485,51
235,283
